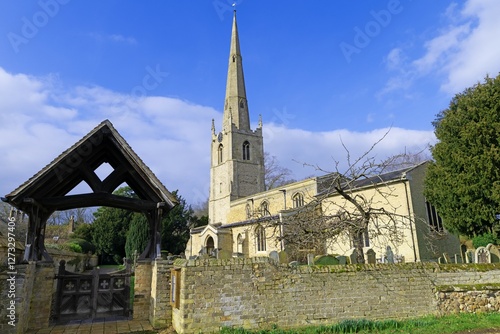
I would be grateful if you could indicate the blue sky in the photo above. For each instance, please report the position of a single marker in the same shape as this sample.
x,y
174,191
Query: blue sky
x,y
320,73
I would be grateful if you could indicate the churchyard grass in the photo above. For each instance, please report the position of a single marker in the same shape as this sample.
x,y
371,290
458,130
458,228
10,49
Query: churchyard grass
x,y
425,325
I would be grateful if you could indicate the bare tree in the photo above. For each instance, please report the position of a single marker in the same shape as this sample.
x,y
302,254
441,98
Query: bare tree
x,y
275,175
342,209
406,160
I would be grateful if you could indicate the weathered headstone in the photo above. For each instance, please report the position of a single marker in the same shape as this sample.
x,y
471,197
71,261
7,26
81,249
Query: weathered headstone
x,y
310,259
494,252
325,260
446,258
469,256
342,259
293,264
371,256
483,255
458,258
283,256
463,250
353,255
389,255
274,256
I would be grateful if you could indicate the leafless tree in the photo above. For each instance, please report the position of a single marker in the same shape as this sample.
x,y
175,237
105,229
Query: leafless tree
x,y
275,175
342,210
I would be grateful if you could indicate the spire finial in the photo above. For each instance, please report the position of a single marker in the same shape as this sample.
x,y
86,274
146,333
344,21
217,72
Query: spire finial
x,y
234,6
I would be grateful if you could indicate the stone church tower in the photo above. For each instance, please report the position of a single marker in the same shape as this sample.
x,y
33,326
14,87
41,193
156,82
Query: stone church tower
x,y
237,152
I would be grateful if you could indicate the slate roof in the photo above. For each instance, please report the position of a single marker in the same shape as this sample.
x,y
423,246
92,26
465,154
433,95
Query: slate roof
x,y
399,174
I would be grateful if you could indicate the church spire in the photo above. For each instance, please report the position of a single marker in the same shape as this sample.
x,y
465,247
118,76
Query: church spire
x,y
235,107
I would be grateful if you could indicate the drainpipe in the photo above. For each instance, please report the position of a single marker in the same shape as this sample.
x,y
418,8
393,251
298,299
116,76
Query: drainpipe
x,y
411,225
281,220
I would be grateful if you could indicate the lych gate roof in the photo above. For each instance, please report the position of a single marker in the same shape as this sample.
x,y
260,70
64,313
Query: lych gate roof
x,y
50,186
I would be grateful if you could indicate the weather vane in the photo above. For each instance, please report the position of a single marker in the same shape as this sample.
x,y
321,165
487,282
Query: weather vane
x,y
234,5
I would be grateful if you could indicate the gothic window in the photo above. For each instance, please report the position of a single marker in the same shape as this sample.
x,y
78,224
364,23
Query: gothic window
x,y
242,104
260,238
246,150
209,245
298,200
364,239
264,209
248,211
435,221
219,153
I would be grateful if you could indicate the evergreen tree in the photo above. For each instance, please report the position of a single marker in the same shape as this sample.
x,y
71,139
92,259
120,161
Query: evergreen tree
x,y
109,232
463,182
176,226
137,236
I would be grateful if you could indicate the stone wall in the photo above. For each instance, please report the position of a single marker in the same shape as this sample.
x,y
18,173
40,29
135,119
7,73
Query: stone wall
x,y
152,292
256,293
33,297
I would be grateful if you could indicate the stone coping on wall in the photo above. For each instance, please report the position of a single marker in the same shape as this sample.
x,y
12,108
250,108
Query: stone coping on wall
x,y
431,266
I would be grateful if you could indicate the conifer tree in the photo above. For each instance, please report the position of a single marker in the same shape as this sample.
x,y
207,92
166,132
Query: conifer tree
x,y
463,181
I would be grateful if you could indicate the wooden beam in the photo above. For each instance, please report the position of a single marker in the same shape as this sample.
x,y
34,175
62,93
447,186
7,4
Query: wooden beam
x,y
97,199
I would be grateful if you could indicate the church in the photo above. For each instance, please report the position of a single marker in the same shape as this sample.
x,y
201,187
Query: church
x,y
246,220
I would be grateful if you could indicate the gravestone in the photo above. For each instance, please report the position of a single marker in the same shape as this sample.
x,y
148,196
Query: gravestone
x,y
353,255
446,257
494,252
325,260
293,264
458,258
389,255
283,256
342,259
463,250
483,255
371,256
469,256
310,259
274,256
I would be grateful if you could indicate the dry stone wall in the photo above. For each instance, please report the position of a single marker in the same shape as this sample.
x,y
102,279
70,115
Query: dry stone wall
x,y
257,293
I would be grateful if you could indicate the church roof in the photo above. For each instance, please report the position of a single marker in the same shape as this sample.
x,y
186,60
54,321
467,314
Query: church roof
x,y
400,174
103,144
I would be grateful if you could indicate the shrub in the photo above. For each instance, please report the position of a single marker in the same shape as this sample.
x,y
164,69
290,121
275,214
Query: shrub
x,y
84,244
74,247
484,240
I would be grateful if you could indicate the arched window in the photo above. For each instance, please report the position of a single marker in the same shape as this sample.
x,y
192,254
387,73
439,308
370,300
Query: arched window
x,y
298,200
248,211
209,245
219,152
264,208
260,238
246,150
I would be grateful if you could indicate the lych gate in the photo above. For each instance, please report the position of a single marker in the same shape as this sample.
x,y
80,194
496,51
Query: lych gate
x,y
47,191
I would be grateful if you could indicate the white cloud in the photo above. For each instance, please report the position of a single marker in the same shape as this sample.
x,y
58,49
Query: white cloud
x,y
461,53
172,136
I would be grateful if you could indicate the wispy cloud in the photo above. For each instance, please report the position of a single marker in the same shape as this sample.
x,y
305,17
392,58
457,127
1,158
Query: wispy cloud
x,y
41,117
462,52
116,38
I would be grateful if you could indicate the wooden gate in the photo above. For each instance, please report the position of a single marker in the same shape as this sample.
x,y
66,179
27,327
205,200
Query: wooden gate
x,y
91,295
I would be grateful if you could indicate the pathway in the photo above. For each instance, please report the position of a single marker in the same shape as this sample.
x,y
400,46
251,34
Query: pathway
x,y
103,326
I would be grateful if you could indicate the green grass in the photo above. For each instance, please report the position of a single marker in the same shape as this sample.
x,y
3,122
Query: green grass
x,y
425,325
